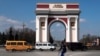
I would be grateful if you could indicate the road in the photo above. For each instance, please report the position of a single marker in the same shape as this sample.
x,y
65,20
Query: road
x,y
49,53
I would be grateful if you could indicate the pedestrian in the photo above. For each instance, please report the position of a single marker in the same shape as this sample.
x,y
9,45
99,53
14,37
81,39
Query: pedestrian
x,y
63,48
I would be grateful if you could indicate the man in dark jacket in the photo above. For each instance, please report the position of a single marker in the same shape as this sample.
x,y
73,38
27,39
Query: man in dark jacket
x,y
63,48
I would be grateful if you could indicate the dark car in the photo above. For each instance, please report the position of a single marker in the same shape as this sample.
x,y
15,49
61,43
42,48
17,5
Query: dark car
x,y
76,46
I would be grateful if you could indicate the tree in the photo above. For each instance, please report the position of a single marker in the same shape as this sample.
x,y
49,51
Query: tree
x,y
29,35
17,34
88,38
0,38
4,38
10,33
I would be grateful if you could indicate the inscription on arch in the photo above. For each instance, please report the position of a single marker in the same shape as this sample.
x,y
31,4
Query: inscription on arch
x,y
58,6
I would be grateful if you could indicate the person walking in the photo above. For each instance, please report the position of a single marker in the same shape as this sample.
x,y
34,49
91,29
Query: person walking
x,y
63,48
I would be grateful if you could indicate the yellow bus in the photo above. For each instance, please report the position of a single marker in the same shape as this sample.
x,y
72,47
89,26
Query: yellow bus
x,y
17,45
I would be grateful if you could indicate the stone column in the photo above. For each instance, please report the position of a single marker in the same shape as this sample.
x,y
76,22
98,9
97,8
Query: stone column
x,y
76,29
46,30
68,31
37,29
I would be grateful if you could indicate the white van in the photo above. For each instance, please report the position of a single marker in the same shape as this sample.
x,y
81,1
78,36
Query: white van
x,y
45,46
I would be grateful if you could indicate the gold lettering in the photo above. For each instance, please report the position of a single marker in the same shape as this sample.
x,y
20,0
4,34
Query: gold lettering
x,y
57,6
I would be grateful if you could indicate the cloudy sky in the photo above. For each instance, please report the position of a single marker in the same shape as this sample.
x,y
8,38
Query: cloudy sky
x,y
15,12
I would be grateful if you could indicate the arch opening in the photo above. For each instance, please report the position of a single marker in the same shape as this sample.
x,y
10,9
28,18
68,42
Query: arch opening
x,y
57,31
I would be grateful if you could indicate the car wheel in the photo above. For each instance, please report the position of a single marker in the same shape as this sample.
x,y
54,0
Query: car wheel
x,y
13,50
72,49
41,49
28,50
84,49
51,49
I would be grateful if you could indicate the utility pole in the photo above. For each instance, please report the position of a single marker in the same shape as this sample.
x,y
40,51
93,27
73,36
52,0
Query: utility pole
x,y
23,29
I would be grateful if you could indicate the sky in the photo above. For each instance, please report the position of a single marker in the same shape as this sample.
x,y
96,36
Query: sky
x,y
15,12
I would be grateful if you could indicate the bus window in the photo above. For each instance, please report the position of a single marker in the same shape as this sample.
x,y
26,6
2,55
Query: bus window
x,y
13,43
20,43
8,43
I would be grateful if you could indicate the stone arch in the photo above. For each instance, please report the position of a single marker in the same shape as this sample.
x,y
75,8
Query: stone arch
x,y
62,14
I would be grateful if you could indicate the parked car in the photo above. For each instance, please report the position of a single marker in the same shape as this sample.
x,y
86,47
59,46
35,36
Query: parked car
x,y
45,46
76,46
17,45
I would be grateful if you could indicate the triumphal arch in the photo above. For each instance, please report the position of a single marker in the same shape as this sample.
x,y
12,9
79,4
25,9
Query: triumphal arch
x,y
67,13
